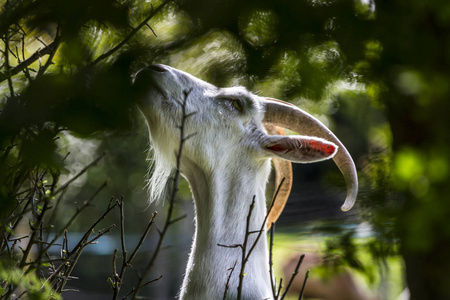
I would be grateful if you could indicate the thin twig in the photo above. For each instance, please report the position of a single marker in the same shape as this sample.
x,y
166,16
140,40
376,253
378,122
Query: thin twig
x,y
7,66
32,240
65,185
119,278
244,249
132,33
227,285
141,286
115,281
169,221
141,241
303,286
246,256
122,229
83,240
26,63
272,278
154,33
76,252
286,290
279,288
69,223
99,235
57,41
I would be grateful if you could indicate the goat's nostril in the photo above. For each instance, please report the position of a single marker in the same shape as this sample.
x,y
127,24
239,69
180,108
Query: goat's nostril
x,y
157,68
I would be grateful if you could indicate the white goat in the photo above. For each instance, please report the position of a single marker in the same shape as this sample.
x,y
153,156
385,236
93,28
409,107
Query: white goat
x,y
227,164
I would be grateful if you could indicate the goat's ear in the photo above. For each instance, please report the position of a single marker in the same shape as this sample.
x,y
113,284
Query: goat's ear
x,y
300,149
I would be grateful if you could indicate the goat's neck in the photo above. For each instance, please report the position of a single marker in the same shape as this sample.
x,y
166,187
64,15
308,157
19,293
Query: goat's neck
x,y
222,201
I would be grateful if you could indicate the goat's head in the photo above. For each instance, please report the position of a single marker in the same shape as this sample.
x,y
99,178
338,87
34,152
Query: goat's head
x,y
229,123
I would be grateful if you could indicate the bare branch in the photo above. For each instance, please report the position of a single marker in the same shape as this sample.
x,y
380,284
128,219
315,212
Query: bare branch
x,y
279,288
141,241
141,286
71,257
57,41
119,278
227,285
26,63
272,278
122,229
65,185
7,66
169,221
293,276
132,33
100,234
300,297
244,250
78,211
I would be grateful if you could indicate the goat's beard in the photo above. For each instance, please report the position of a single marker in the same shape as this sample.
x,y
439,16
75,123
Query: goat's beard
x,y
161,169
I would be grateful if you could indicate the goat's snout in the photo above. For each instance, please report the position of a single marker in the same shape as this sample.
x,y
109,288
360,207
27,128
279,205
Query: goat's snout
x,y
157,78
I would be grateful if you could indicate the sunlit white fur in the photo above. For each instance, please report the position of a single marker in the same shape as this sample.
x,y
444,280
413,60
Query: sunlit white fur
x,y
226,164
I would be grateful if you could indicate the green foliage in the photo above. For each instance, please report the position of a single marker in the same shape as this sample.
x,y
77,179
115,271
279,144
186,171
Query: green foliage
x,y
36,288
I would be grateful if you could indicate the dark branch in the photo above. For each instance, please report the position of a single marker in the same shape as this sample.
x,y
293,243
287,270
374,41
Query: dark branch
x,y
227,285
169,221
300,297
26,63
132,33
293,275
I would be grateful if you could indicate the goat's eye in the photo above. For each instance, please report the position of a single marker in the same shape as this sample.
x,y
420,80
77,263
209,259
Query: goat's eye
x,y
238,105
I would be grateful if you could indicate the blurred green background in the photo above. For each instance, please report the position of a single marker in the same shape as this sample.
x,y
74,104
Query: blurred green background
x,y
376,72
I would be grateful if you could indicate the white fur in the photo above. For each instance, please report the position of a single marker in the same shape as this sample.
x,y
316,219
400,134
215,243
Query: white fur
x,y
226,164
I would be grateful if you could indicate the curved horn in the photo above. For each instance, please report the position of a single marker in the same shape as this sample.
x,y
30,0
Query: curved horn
x,y
283,181
280,113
